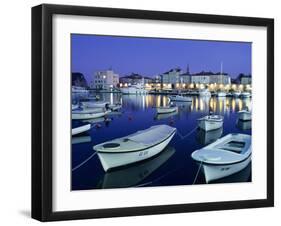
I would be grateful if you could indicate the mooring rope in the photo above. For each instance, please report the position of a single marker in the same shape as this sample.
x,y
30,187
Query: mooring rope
x,y
197,172
189,133
82,163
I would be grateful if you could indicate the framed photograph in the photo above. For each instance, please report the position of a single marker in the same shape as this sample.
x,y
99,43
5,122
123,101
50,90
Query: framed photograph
x,y
145,112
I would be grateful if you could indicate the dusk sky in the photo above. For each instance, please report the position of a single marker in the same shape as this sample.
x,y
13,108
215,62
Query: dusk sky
x,y
152,56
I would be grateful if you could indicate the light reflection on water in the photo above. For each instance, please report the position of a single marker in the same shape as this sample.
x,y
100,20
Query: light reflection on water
x,y
138,112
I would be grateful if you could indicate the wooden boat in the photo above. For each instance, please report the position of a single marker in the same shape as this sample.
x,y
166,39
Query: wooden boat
x,y
245,94
244,115
226,156
244,125
221,94
204,93
210,122
207,137
167,109
179,98
88,114
80,129
135,147
114,107
96,104
74,106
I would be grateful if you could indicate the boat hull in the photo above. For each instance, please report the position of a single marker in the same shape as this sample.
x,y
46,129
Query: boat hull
x,y
117,159
166,110
207,125
82,116
80,129
180,99
215,172
244,116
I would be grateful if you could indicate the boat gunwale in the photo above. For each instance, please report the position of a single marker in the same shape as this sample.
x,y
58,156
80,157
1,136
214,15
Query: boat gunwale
x,y
222,164
135,150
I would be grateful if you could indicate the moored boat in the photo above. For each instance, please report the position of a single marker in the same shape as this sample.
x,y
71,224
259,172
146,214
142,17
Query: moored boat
x,y
210,122
221,94
207,137
236,94
79,89
204,93
245,94
135,147
244,115
134,89
96,104
226,156
179,98
114,107
88,114
167,109
74,106
80,129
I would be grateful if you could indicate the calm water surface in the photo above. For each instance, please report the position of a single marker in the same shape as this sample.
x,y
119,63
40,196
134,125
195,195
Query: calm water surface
x,y
173,166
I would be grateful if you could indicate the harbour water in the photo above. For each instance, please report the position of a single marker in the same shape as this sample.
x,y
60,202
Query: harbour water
x,y
174,165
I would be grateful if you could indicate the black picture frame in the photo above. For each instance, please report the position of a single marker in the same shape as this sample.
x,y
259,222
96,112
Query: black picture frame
x,y
42,111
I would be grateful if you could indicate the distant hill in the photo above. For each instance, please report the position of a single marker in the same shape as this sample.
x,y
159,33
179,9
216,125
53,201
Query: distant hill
x,y
78,79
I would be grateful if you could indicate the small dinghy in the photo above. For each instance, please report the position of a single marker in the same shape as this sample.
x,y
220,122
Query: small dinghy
x,y
114,107
245,94
228,155
236,94
80,129
135,147
88,114
244,115
96,104
210,122
74,106
179,98
221,94
167,109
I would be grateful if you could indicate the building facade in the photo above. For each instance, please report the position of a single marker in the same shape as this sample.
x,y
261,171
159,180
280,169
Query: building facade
x,y
210,78
107,79
170,78
134,79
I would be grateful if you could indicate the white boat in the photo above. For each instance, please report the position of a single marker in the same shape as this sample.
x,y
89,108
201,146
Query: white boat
x,y
134,89
96,104
244,115
88,114
134,174
244,125
228,155
236,93
210,122
79,89
179,98
221,94
204,93
135,147
245,94
80,129
114,107
165,116
207,137
74,106
167,109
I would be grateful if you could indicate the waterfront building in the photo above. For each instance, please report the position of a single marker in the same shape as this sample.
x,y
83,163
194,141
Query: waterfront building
x,y
245,79
201,77
171,78
134,79
210,78
107,79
